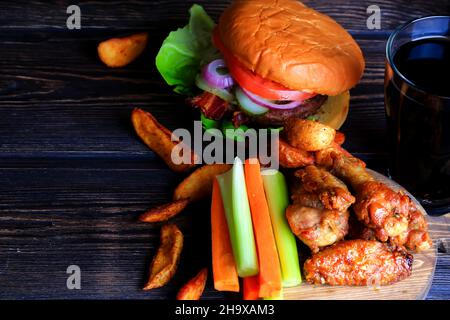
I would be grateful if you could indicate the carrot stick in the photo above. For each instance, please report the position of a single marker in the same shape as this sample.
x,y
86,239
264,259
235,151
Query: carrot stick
x,y
251,288
224,268
270,281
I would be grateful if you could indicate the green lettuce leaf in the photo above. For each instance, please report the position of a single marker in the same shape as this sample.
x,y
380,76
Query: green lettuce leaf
x,y
184,51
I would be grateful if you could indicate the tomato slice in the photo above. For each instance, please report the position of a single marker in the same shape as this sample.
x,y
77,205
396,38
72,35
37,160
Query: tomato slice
x,y
254,83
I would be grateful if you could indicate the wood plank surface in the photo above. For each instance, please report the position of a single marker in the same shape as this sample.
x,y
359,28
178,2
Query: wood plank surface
x,y
140,14
57,214
73,175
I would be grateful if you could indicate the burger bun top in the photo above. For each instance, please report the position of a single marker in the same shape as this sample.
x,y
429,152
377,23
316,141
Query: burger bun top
x,y
292,44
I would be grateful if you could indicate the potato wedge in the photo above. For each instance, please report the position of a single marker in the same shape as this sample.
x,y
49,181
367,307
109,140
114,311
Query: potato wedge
x,y
193,289
118,52
290,157
308,135
164,212
199,183
165,262
158,139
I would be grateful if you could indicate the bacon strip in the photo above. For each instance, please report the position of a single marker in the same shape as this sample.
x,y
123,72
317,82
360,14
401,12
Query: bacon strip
x,y
211,105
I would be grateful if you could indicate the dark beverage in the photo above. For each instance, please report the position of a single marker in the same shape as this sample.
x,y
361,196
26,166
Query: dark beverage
x,y
417,98
426,63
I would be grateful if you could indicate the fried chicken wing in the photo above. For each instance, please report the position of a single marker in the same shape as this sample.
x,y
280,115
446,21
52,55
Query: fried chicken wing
x,y
391,214
315,227
291,157
358,263
331,191
305,198
416,237
319,215
339,138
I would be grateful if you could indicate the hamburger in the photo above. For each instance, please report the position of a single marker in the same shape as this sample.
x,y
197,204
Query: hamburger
x,y
274,60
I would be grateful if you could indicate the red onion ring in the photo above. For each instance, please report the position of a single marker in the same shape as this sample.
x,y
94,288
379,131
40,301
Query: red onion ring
x,y
213,78
270,104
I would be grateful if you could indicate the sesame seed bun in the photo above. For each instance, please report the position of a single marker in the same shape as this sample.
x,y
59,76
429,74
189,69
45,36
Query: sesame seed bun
x,y
292,44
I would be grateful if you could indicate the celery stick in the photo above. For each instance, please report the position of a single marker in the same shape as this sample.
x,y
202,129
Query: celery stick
x,y
279,297
277,200
239,220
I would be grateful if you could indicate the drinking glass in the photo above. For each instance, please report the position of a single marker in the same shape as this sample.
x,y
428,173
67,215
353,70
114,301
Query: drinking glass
x,y
418,117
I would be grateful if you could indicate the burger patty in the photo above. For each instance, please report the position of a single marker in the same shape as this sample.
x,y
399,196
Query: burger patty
x,y
278,117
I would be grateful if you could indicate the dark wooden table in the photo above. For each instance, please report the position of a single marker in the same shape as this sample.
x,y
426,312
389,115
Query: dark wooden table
x,y
73,175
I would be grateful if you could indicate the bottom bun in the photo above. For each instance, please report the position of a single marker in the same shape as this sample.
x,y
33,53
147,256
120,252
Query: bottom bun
x,y
335,110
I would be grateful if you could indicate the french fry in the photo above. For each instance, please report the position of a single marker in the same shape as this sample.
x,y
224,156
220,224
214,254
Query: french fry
x,y
198,184
158,139
308,135
164,212
291,157
193,289
118,52
165,262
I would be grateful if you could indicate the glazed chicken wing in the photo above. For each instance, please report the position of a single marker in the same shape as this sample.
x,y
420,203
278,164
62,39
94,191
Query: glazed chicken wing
x,y
358,263
319,215
392,215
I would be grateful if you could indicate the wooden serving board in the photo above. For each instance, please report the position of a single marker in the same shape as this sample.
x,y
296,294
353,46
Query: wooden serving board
x,y
414,287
